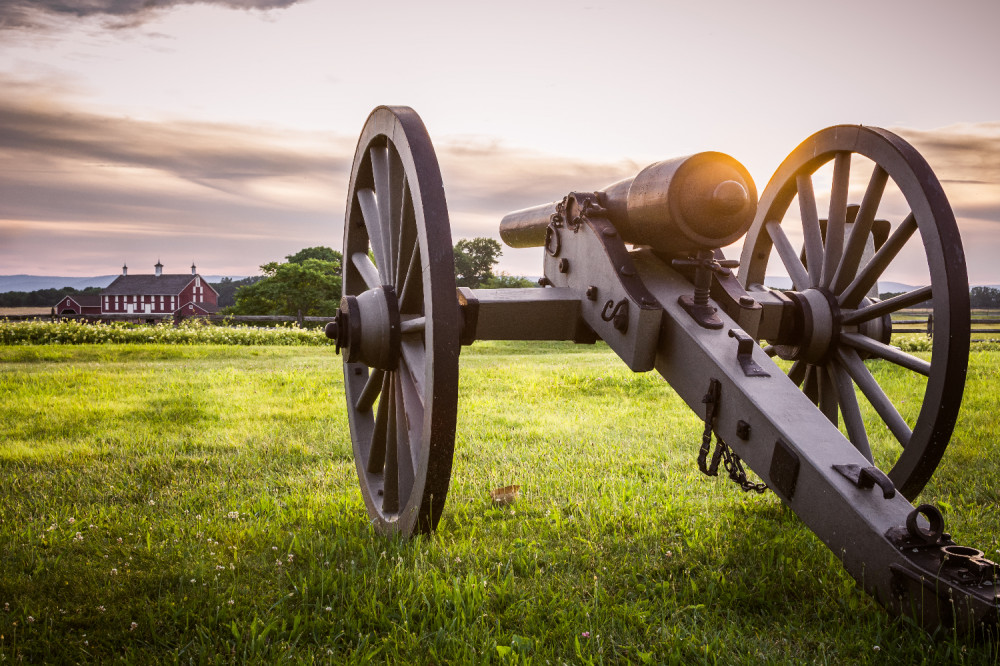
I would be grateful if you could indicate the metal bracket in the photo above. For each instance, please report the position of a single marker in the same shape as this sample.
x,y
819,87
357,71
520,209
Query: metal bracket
x,y
868,477
702,313
784,470
744,354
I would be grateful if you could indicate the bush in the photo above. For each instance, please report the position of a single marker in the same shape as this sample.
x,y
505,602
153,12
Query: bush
x,y
189,332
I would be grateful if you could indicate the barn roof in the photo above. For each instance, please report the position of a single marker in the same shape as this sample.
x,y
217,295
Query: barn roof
x,y
88,300
168,284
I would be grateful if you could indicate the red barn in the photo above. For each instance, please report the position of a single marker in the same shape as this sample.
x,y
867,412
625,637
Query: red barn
x,y
85,304
158,294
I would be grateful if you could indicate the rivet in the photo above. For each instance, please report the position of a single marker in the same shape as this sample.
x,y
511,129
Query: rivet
x,y
627,271
610,232
747,301
592,293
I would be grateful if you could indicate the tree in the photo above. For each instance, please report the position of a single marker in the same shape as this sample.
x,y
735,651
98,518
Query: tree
x,y
228,287
474,261
41,297
320,252
984,297
507,281
306,284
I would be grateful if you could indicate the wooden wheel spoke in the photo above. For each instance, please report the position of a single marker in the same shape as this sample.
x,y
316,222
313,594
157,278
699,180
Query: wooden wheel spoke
x,y
369,273
861,230
413,356
376,452
870,274
390,493
837,220
810,382
407,243
413,324
828,393
409,429
876,396
797,373
888,306
396,194
372,389
812,237
788,256
383,196
853,421
411,292
884,351
369,211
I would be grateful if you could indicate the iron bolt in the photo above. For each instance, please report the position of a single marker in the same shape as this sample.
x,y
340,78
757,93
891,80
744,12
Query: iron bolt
x,y
544,281
743,430
627,271
747,301
592,293
564,265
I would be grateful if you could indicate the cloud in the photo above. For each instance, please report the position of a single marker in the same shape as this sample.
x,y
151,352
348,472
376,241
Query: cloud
x,y
39,14
73,182
967,153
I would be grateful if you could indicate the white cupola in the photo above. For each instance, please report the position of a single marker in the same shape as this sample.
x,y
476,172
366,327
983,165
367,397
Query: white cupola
x,y
159,268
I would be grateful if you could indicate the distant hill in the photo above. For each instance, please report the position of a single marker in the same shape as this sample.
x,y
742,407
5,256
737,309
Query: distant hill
x,y
36,282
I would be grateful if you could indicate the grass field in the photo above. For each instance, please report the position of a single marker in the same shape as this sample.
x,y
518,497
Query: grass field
x,y
198,504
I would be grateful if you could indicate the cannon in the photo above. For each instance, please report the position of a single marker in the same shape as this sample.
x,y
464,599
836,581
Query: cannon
x,y
774,373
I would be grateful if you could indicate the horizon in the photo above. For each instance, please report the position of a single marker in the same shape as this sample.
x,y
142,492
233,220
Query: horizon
x,y
196,130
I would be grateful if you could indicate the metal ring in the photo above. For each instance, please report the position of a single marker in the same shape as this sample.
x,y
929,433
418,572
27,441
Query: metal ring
x,y
552,244
933,516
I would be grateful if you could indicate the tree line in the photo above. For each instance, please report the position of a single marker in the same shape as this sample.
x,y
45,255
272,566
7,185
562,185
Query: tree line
x,y
309,281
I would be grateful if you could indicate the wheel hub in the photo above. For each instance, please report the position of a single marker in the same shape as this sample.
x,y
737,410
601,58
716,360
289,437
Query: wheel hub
x,y
367,328
819,316
820,325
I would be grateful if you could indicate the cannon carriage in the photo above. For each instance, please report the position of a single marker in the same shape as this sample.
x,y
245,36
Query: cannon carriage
x,y
639,266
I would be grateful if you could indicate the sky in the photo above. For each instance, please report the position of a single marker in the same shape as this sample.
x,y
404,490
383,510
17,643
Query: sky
x,y
221,132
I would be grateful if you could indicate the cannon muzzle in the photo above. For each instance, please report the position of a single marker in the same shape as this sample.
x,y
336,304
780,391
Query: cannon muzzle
x,y
678,206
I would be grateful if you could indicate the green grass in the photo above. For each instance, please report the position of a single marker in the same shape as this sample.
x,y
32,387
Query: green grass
x,y
166,503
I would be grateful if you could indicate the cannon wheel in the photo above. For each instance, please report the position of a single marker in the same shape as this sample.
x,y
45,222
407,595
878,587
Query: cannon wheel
x,y
398,252
834,265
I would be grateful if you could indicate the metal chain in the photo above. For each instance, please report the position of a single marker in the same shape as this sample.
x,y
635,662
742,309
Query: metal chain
x,y
733,463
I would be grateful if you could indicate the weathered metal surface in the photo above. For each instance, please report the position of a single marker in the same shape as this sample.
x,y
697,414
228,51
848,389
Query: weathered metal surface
x,y
703,201
672,304
794,449
591,258
842,326
522,314
401,385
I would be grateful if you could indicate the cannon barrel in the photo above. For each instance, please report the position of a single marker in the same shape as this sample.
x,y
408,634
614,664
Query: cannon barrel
x,y
702,201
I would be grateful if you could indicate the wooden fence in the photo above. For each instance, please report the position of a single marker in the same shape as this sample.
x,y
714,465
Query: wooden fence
x,y
983,329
